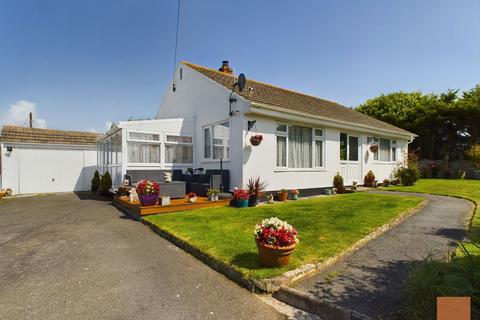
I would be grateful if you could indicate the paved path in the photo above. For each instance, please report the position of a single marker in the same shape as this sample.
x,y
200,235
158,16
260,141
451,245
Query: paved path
x,y
66,258
369,281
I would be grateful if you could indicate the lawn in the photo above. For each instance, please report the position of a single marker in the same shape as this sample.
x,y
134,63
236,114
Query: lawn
x,y
468,189
327,226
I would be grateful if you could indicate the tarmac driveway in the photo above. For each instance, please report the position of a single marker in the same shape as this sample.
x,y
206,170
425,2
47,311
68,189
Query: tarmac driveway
x,y
62,257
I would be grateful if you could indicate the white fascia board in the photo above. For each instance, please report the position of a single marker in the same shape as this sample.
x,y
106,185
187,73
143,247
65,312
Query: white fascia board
x,y
123,124
50,145
272,111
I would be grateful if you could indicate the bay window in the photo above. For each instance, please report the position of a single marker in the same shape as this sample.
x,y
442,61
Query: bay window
x,y
216,141
299,147
178,149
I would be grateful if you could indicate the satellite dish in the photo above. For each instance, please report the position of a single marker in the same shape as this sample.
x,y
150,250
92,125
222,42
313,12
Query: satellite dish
x,y
242,81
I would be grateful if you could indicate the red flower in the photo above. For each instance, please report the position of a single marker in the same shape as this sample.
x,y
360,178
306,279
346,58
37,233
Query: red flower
x,y
241,194
147,187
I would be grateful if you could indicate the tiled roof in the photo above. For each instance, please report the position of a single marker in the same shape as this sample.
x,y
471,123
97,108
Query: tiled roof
x,y
47,136
287,100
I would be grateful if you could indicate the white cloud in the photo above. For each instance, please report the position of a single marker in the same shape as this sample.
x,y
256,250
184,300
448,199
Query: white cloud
x,y
18,112
93,130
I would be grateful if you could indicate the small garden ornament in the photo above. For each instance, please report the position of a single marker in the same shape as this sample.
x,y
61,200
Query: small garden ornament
x,y
167,176
270,199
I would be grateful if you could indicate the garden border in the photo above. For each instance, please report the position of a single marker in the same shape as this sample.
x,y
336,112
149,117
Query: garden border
x,y
271,285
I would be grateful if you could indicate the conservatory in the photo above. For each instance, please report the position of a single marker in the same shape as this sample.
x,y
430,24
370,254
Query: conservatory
x,y
146,146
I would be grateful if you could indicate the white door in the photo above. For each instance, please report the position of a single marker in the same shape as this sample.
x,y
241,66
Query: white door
x,y
350,166
50,170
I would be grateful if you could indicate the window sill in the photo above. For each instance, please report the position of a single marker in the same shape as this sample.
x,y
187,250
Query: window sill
x,y
214,161
385,162
300,170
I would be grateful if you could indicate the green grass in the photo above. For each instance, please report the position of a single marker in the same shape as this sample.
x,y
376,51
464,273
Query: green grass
x,y
326,225
468,189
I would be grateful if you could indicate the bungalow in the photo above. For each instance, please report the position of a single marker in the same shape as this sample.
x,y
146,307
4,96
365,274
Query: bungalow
x,y
205,121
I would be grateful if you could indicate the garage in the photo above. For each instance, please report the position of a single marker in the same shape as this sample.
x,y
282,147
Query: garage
x,y
42,160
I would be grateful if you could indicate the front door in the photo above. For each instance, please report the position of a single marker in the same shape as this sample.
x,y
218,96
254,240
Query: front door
x,y
350,167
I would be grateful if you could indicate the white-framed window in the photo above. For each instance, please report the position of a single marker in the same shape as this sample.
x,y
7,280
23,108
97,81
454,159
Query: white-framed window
x,y
349,146
282,134
178,149
299,147
387,149
216,141
143,147
394,151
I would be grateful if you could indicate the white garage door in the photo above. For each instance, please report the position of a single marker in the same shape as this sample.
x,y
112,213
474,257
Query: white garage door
x,y
52,170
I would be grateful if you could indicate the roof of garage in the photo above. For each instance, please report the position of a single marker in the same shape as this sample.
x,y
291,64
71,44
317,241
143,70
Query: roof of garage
x,y
47,136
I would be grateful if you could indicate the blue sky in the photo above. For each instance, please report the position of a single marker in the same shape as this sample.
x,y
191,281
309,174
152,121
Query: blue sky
x,y
79,64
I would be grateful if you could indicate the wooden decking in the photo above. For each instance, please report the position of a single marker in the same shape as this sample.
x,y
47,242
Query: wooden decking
x,y
136,210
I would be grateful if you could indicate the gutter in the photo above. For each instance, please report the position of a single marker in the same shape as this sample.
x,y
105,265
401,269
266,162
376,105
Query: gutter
x,y
273,111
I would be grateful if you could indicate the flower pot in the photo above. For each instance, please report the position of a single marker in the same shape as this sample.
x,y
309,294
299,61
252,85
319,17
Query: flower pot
x,y
192,199
282,196
241,203
255,142
211,197
148,199
252,201
165,201
294,196
274,256
328,192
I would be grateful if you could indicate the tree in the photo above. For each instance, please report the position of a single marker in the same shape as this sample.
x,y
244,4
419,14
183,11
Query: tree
x,y
468,108
106,183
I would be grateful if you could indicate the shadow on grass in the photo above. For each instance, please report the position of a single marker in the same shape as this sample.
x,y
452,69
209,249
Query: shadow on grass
x,y
247,260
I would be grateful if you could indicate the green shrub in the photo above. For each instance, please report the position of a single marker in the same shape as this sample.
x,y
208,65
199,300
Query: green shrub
x,y
106,183
369,180
408,176
458,276
96,181
474,154
386,182
338,183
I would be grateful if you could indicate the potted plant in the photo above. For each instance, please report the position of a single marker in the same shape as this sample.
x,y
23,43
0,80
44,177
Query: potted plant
x,y
255,189
241,197
212,194
386,182
96,181
276,240
105,184
294,194
192,197
369,180
282,195
255,140
374,148
148,192
338,186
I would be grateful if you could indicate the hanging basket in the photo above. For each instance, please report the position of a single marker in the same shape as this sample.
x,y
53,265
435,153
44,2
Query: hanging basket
x,y
374,148
256,140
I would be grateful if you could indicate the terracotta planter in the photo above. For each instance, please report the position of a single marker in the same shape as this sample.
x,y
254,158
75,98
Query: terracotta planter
x,y
274,256
282,196
148,199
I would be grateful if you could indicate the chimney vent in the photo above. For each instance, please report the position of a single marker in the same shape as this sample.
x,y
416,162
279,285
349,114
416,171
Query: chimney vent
x,y
225,68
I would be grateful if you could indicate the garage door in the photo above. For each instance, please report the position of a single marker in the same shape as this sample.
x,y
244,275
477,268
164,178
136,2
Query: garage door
x,y
50,170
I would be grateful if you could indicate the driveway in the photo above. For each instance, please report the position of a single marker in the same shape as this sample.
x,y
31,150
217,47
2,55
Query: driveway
x,y
370,280
62,257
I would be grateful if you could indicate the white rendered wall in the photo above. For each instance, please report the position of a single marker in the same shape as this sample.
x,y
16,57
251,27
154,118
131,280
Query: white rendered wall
x,y
207,101
47,168
261,160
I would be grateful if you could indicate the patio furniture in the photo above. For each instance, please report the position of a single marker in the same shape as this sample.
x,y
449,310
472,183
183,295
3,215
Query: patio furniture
x,y
200,183
174,189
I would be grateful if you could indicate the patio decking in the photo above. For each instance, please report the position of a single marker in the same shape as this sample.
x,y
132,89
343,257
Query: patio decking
x,y
136,210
